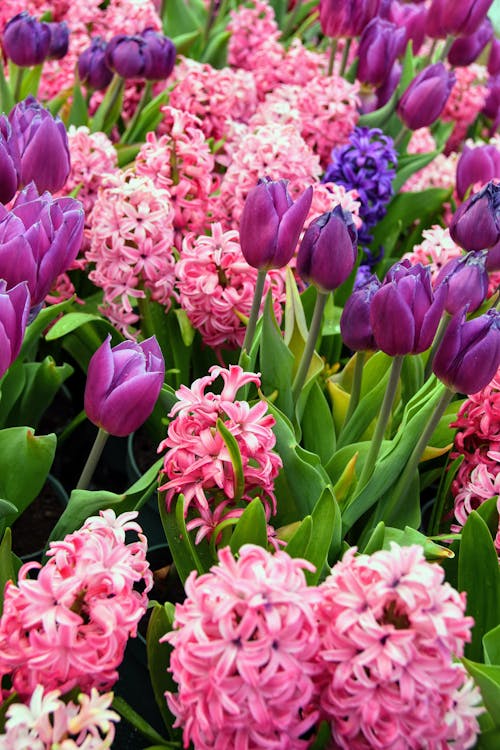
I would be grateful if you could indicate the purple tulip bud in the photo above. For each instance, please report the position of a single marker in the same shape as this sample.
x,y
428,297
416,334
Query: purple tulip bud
x,y
39,239
469,354
92,69
494,57
328,251
129,56
43,146
425,98
271,223
25,40
162,55
9,162
412,18
381,42
477,166
59,40
491,107
466,49
465,280
123,385
493,258
348,18
405,312
476,224
355,325
14,308
389,86
456,17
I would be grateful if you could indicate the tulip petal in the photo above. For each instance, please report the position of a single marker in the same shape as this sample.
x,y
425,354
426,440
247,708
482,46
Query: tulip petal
x,y
99,378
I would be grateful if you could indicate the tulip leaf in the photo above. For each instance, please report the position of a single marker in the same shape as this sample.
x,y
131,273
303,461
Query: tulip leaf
x,y
182,16
408,164
443,491
7,567
375,540
487,678
78,114
11,388
183,551
35,329
184,42
236,461
276,362
364,414
7,100
318,433
251,527
161,622
148,120
136,720
477,553
216,50
301,538
73,320
326,537
42,381
491,646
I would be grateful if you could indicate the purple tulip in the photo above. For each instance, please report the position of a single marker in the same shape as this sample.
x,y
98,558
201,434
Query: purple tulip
x,y
469,354
42,144
491,107
162,55
381,42
25,40
477,166
355,325
425,98
328,251
39,239
455,17
271,223
59,40
476,224
14,308
465,280
390,85
405,312
412,18
123,385
8,162
466,49
92,69
129,56
339,18
494,57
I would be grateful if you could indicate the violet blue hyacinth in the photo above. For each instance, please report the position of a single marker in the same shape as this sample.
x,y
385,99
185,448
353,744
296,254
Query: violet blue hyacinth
x,y
476,223
271,223
39,239
466,282
123,385
14,309
41,143
25,40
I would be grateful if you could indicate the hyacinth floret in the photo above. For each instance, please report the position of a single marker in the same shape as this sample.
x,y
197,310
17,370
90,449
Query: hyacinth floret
x,y
367,164
244,646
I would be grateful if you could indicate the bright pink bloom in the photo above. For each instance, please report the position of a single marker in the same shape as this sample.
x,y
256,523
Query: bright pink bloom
x,y
390,630
69,626
481,485
465,102
244,645
198,463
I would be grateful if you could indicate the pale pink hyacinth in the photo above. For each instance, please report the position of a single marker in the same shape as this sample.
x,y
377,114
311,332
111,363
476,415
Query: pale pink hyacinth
x,y
69,626
391,630
216,287
127,17
132,239
465,102
181,162
198,463
47,722
435,249
244,647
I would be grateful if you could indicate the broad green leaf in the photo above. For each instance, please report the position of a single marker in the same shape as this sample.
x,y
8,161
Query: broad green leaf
x,y
489,740
78,114
183,550
216,51
300,540
364,415
346,482
444,488
487,678
491,646
71,321
137,721
11,388
35,329
251,527
181,17
408,164
326,537
6,96
110,108
479,576
41,383
375,540
276,362
161,622
7,570
489,513
318,433
184,42
408,536
296,329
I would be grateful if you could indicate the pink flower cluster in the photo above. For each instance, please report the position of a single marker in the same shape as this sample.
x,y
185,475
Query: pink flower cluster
x,y
216,287
198,462
69,626
465,102
259,657
48,722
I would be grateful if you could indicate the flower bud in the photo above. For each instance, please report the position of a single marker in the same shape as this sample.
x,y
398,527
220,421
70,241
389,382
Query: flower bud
x,y
425,98
455,17
92,69
43,146
128,56
465,280
271,223
412,18
404,312
466,49
493,258
477,166
348,18
14,308
491,108
494,57
8,162
381,42
123,385
25,40
59,40
476,223
39,239
328,251
162,55
355,326
469,353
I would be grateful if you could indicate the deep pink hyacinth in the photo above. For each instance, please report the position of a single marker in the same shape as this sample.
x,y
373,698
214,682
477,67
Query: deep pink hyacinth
x,y
390,630
465,102
198,463
216,287
479,487
244,644
69,626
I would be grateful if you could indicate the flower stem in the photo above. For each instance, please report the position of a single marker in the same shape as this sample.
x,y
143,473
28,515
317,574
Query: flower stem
x,y
254,312
144,307
93,459
400,136
331,59
308,352
356,385
383,418
345,55
18,75
443,325
129,132
111,97
446,48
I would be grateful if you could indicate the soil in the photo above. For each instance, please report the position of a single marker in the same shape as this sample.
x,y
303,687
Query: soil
x,y
32,529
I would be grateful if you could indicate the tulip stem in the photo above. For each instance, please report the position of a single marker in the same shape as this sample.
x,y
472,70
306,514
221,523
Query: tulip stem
x,y
431,53
402,485
254,312
356,385
144,306
312,336
292,18
100,121
383,419
443,325
345,55
401,135
446,48
17,75
93,459
146,94
331,59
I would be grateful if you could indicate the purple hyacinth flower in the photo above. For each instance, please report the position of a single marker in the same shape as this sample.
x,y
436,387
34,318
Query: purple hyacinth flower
x,y
123,385
25,40
14,308
476,223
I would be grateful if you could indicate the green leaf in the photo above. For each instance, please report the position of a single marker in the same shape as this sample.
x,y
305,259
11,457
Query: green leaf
x,y
35,330
443,491
318,432
11,388
326,537
184,42
181,17
251,527
236,460
479,576
7,570
73,320
489,740
216,51
79,113
364,414
375,540
148,120
276,362
161,622
487,678
133,718
300,540
42,381
491,646
183,551
408,164
6,96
